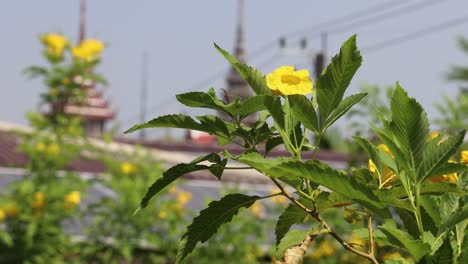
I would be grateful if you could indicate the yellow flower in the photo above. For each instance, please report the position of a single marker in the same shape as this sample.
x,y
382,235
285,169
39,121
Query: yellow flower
x,y
258,210
38,201
12,211
278,199
2,215
464,156
55,43
433,135
325,248
387,177
66,81
285,81
73,198
451,177
53,149
392,255
54,92
40,147
184,197
127,168
162,214
88,50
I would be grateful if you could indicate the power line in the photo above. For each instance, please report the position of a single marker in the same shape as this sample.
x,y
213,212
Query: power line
x,y
346,18
387,15
416,34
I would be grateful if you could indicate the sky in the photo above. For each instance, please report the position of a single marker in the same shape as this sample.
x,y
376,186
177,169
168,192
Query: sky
x,y
179,35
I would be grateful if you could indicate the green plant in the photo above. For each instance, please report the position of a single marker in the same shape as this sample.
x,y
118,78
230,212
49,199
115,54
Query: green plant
x,y
407,206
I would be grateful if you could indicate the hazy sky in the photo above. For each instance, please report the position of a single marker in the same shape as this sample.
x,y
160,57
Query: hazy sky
x,y
179,37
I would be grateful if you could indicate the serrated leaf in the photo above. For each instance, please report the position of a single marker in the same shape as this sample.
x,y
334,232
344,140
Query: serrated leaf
x,y
436,155
304,111
264,165
444,255
405,241
322,174
206,100
327,200
272,143
292,238
175,121
215,125
254,78
178,170
342,108
332,83
291,215
210,219
448,168
410,126
454,219
273,105
252,104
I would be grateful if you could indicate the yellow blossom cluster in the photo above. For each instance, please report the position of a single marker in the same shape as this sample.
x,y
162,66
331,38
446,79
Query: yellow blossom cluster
x,y
258,210
286,81
52,149
38,202
54,43
88,50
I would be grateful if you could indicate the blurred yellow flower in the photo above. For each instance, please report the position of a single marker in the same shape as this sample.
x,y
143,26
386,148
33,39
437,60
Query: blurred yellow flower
x,y
38,201
278,199
433,135
387,177
162,214
451,177
258,210
464,156
66,81
2,215
55,43
40,147
184,197
12,211
127,168
325,248
391,255
88,50
173,190
54,92
53,149
73,198
286,81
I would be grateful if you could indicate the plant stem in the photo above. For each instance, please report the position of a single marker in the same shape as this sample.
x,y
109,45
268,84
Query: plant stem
x,y
325,226
371,235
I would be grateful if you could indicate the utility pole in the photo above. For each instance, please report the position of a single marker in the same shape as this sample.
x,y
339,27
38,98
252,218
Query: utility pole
x,y
143,92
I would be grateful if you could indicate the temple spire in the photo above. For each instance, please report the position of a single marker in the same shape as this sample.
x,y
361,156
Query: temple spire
x,y
239,50
82,26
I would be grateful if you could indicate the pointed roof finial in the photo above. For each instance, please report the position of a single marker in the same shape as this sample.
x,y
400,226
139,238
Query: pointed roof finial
x,y
239,51
82,28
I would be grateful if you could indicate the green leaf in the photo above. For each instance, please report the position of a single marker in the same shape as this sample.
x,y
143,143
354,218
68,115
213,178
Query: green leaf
x,y
252,104
444,255
332,83
342,108
272,143
321,174
273,105
178,170
210,219
454,219
176,121
206,100
292,238
405,241
264,165
410,126
327,200
254,78
292,215
448,168
436,155
304,111
215,125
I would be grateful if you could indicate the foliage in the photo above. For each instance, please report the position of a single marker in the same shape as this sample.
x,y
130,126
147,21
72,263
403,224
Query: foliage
x,y
405,207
